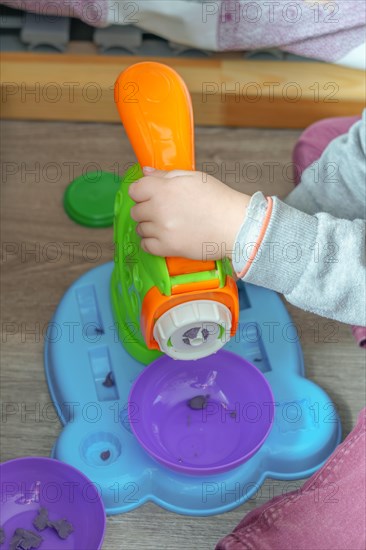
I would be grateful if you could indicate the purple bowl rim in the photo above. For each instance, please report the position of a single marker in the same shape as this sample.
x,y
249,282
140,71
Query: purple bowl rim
x,y
66,466
207,470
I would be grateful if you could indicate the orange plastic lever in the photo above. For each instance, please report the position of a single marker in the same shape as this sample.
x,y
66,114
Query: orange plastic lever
x,y
156,111
155,108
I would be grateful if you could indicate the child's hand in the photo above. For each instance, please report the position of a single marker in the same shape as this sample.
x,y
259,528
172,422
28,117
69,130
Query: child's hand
x,y
187,214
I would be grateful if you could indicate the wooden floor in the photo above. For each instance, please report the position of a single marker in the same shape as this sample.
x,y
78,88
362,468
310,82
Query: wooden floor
x,y
39,160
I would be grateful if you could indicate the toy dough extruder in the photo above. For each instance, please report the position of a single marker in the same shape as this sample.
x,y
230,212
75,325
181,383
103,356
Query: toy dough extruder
x,y
185,308
194,433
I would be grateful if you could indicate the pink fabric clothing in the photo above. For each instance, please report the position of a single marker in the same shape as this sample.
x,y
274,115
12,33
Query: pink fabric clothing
x,y
316,138
319,30
327,513
360,336
308,149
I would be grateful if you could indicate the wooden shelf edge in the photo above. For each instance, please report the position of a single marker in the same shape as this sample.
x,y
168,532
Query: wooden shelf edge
x,y
226,90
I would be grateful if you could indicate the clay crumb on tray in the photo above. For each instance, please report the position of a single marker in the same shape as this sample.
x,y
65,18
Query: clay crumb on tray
x,y
109,381
25,540
105,455
198,403
2,535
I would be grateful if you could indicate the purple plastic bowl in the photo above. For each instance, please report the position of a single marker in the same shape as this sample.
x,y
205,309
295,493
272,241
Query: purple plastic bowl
x,y
234,422
31,482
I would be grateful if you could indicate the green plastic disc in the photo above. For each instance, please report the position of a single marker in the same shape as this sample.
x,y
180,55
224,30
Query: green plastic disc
x,y
89,199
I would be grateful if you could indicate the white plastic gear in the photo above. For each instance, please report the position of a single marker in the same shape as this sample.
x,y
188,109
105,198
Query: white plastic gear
x,y
194,329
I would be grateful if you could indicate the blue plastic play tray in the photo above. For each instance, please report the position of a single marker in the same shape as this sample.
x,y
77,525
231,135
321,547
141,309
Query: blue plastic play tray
x,y
83,347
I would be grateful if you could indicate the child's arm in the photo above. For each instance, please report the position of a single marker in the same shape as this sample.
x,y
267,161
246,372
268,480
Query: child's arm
x,y
316,261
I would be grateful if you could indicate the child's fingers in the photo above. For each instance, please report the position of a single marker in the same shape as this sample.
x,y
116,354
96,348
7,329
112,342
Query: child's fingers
x,y
141,190
176,173
145,229
152,246
141,212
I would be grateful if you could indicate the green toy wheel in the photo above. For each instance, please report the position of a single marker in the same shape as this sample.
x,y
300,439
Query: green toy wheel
x,y
89,199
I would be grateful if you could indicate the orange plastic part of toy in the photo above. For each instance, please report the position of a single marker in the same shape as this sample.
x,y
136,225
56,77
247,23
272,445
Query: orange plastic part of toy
x,y
177,266
148,92
155,301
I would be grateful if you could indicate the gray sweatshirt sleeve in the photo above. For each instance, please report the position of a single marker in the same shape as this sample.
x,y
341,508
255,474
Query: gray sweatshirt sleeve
x,y
317,260
336,183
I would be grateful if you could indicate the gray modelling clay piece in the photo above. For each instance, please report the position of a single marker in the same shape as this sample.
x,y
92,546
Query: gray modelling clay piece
x,y
117,37
198,403
192,333
41,520
109,380
105,455
45,30
14,543
25,540
2,535
62,527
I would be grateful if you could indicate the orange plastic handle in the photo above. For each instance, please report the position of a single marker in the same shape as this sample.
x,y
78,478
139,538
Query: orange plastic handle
x,y
156,111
